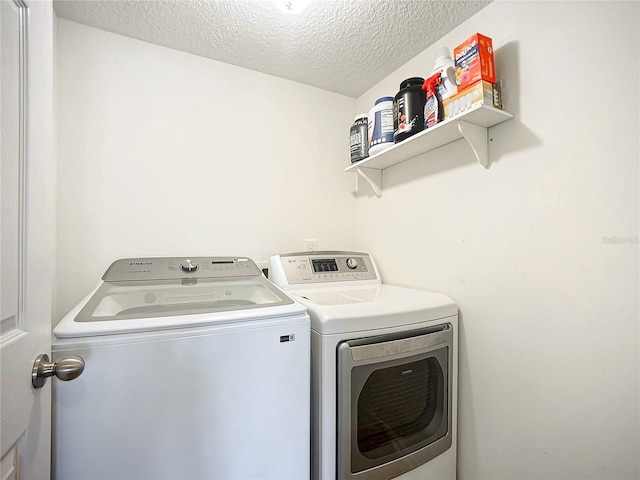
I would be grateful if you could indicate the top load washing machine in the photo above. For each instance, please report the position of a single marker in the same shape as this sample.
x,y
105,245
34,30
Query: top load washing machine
x,y
195,369
384,369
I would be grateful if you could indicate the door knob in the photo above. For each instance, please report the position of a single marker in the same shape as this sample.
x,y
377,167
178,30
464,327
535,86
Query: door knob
x,y
66,369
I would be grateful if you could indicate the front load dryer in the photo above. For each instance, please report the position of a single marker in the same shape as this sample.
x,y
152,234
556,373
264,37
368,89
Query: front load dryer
x,y
384,369
195,369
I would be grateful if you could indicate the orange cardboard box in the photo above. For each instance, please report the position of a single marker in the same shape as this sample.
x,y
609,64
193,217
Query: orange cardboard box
x,y
474,61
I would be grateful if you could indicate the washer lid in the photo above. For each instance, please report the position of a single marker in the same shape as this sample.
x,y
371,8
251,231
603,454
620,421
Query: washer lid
x,y
153,294
113,309
163,298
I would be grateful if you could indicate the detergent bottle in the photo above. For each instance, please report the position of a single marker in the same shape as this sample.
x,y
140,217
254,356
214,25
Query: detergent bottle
x,y
445,66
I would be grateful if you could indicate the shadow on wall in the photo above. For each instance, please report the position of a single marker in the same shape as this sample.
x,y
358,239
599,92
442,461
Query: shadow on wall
x,y
504,138
513,135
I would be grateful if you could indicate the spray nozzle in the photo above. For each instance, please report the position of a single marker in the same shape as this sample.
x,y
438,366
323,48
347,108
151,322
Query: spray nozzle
x,y
431,83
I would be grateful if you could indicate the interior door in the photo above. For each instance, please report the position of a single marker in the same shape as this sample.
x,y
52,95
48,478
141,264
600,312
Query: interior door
x,y
27,235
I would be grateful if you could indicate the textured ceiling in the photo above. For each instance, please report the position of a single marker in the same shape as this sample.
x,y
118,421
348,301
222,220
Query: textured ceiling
x,y
344,46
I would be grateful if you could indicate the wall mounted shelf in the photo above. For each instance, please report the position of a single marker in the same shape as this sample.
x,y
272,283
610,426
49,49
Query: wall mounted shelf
x,y
471,125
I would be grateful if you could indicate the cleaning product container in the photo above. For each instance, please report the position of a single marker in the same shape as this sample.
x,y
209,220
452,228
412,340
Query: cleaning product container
x,y
433,112
445,66
358,138
408,109
381,125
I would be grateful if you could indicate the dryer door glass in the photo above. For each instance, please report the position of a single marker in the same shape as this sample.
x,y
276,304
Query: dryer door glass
x,y
400,404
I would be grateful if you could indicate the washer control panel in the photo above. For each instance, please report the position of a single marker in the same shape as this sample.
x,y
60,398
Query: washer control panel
x,y
168,268
321,267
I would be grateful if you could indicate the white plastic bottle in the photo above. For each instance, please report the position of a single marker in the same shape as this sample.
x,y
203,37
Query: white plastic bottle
x,y
444,64
380,124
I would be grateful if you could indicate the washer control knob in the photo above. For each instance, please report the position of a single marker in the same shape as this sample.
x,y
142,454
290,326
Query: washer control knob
x,y
189,266
352,263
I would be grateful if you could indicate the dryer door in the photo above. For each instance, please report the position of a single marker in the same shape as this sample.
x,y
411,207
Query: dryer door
x,y
394,402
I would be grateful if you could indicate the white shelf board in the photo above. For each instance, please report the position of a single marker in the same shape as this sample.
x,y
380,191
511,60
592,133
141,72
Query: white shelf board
x,y
432,138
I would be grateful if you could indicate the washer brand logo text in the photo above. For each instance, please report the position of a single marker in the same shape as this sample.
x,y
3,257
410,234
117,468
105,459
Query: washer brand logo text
x,y
140,263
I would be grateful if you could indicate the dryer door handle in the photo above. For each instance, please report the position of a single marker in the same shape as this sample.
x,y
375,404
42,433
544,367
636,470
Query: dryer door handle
x,y
382,347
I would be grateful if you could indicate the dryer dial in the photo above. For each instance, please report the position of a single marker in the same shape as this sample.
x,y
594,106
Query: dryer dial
x,y
352,263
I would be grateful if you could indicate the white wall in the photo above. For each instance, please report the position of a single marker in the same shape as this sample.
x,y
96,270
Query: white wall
x,y
540,251
166,153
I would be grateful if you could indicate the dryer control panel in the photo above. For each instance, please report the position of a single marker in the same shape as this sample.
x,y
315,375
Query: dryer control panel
x,y
305,268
